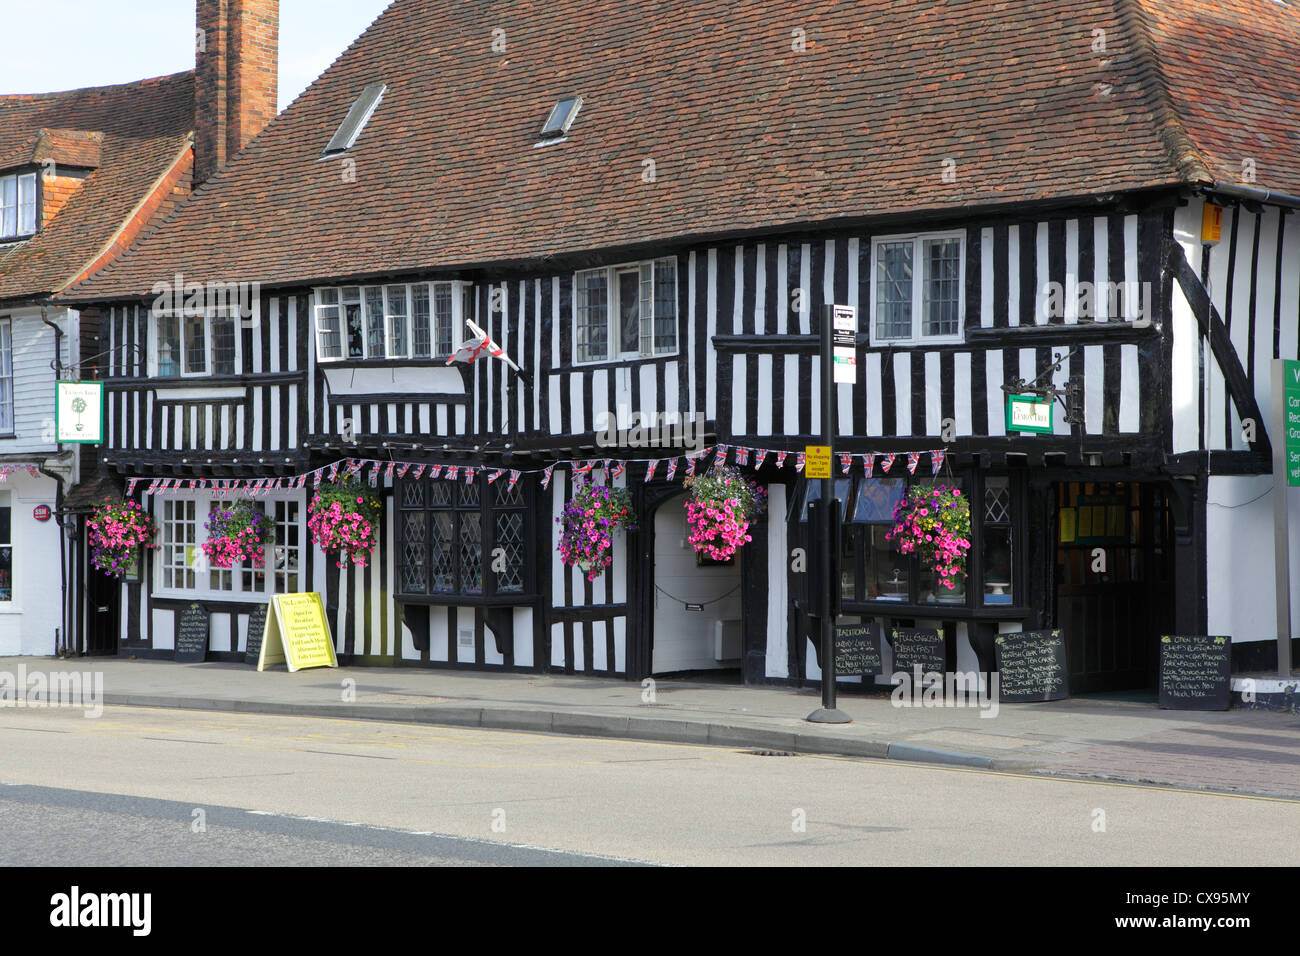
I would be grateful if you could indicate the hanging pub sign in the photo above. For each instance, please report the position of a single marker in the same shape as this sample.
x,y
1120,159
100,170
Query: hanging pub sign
x,y
1195,672
297,633
79,413
1029,413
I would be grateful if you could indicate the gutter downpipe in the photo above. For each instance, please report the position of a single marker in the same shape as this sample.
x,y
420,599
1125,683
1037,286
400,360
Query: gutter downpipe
x,y
58,496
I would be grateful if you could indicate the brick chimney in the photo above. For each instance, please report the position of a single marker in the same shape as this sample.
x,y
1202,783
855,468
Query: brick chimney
x,y
236,76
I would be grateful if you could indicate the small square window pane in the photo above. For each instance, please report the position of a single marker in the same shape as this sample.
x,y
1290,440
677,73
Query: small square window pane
x,y
942,289
894,290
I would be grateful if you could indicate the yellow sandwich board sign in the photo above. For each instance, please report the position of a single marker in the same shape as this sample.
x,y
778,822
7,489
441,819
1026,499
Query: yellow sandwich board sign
x,y
297,633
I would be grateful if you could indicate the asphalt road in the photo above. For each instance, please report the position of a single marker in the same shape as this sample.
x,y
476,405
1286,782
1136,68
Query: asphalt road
x,y
133,787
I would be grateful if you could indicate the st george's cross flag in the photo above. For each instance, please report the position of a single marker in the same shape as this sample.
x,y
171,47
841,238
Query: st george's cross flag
x,y
482,342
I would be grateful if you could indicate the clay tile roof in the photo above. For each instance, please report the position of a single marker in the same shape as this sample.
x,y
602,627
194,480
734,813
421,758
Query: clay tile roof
x,y
65,147
745,131
128,135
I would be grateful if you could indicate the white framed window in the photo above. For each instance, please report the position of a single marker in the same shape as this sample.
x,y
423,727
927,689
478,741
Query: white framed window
x,y
182,566
419,320
189,345
918,288
17,205
6,377
625,312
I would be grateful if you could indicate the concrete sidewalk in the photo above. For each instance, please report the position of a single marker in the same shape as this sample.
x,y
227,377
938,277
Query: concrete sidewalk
x,y
1250,751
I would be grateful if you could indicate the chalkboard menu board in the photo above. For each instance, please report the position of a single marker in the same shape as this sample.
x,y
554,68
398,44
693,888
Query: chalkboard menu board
x,y
1195,672
1031,666
192,634
913,647
256,627
857,650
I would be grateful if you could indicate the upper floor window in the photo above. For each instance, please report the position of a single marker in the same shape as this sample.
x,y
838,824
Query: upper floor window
x,y
919,284
421,320
6,377
626,312
191,345
17,205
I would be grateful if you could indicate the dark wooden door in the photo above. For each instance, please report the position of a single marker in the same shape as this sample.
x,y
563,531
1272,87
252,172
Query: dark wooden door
x,y
1114,581
102,617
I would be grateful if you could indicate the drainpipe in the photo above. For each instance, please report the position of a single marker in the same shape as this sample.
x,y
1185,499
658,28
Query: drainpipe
x,y
58,496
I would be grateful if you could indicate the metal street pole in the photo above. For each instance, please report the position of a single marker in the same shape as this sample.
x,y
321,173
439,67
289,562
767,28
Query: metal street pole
x,y
1281,540
828,713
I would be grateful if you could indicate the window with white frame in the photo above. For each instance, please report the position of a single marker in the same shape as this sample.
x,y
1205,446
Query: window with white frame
x,y
191,345
918,288
625,311
6,377
17,205
183,565
410,321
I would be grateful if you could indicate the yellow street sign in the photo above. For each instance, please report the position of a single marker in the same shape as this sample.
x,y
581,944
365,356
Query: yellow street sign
x,y
817,461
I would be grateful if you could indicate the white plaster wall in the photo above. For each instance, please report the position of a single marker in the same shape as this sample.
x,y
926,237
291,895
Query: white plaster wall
x,y
28,622
1239,559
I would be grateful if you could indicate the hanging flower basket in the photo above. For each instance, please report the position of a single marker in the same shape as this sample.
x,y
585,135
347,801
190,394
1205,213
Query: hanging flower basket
x,y
344,518
116,529
237,533
720,506
588,523
934,524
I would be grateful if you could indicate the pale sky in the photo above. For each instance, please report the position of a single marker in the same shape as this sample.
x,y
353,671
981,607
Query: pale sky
x,y
74,43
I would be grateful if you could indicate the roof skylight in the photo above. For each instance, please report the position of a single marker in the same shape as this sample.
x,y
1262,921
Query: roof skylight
x,y
356,119
562,117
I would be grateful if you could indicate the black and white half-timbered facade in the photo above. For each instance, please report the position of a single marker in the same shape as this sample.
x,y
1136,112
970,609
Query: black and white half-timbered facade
x,y
651,237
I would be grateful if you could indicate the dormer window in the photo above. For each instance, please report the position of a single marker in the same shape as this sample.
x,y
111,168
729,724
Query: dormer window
x,y
352,125
17,206
561,118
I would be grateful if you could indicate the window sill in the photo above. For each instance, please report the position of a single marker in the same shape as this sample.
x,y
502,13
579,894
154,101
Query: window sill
x,y
467,600
382,362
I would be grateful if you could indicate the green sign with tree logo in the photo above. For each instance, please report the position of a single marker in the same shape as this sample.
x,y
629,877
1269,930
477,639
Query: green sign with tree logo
x,y
1291,421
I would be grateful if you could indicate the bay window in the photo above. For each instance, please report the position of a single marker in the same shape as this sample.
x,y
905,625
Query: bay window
x,y
626,311
872,569
183,566
410,321
458,540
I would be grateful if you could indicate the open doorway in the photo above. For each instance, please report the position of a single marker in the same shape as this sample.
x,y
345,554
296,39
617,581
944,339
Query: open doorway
x,y
697,621
1114,582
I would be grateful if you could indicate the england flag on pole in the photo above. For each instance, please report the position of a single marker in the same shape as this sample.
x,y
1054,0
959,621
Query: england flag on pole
x,y
476,346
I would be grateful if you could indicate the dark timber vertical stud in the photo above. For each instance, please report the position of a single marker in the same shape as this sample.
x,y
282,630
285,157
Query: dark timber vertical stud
x,y
754,587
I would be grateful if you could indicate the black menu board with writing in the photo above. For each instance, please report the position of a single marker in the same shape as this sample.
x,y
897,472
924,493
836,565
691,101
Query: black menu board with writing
x,y
256,626
192,634
1031,666
1195,672
915,646
857,650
